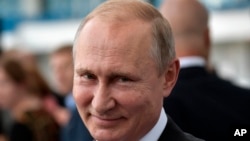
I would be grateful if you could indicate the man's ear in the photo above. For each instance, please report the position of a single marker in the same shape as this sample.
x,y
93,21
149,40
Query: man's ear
x,y
171,76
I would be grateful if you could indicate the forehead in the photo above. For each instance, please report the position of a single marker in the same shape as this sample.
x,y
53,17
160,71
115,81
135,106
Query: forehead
x,y
105,47
129,40
113,31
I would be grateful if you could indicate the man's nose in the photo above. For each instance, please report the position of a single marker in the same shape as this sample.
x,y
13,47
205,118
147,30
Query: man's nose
x,y
103,101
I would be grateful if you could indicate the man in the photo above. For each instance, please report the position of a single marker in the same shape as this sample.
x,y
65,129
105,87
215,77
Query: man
x,y
201,103
124,65
73,127
61,64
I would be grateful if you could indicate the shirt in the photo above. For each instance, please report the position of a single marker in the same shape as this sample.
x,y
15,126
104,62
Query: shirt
x,y
155,133
70,102
186,62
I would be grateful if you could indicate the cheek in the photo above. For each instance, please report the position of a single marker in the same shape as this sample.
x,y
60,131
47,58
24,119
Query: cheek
x,y
145,101
140,110
133,101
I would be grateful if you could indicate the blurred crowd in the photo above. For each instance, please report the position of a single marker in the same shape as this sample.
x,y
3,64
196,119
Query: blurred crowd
x,y
30,109
27,98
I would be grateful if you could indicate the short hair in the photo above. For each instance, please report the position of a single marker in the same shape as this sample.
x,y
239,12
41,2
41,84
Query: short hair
x,y
162,50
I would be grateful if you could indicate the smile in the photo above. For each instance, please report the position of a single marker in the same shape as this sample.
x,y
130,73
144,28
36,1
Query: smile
x,y
106,122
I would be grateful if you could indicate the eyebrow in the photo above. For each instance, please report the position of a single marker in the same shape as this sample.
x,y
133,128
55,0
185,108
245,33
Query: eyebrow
x,y
110,75
114,74
82,70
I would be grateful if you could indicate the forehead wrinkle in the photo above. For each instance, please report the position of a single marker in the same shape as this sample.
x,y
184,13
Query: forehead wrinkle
x,y
118,43
116,30
117,34
109,43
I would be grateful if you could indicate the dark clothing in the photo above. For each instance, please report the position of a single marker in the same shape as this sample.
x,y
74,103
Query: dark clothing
x,y
59,98
173,133
206,106
21,132
35,126
1,122
75,130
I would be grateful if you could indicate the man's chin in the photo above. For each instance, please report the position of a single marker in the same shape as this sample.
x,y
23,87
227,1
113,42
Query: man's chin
x,y
106,135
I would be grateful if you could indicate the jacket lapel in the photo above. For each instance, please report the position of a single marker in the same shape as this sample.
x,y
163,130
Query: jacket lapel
x,y
173,133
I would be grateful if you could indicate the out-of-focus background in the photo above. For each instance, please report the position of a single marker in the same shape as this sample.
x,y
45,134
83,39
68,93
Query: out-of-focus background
x,y
40,26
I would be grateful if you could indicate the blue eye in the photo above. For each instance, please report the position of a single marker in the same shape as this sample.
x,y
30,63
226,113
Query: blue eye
x,y
89,76
124,79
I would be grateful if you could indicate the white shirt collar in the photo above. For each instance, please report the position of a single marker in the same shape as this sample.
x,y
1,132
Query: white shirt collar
x,y
155,133
70,101
186,62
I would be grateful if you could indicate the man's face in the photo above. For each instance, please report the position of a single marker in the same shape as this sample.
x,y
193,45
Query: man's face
x,y
117,89
62,69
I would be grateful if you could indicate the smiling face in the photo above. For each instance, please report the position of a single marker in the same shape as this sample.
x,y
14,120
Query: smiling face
x,y
117,88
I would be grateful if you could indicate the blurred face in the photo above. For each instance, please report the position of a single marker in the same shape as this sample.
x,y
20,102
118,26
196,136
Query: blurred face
x,y
8,91
62,68
117,89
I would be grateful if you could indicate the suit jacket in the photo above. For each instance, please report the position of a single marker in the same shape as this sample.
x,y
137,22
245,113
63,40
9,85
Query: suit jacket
x,y
75,130
173,133
206,106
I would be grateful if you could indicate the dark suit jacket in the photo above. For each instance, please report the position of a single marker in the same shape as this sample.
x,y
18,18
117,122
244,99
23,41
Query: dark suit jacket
x,y
173,133
75,130
206,106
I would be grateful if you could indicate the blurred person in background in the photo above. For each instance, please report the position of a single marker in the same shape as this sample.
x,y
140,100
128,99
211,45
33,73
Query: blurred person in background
x,y
201,103
62,67
22,92
50,101
2,132
26,58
